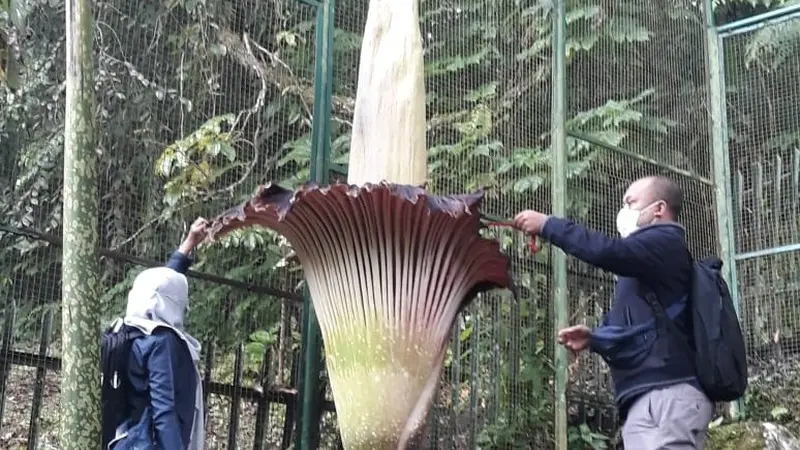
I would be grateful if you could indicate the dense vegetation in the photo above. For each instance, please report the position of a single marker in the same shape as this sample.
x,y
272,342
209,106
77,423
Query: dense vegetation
x,y
201,100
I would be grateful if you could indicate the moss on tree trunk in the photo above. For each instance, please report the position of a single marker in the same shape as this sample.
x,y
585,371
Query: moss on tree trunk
x,y
80,383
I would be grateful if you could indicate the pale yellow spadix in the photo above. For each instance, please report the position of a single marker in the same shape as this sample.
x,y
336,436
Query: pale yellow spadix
x,y
388,138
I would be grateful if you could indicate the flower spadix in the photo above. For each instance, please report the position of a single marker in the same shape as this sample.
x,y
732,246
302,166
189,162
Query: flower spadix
x,y
388,268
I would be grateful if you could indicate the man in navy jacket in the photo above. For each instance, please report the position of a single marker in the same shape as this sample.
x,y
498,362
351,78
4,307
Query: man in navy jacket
x,y
656,389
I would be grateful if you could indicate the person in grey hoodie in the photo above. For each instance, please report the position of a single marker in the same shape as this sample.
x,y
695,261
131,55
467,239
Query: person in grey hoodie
x,y
165,387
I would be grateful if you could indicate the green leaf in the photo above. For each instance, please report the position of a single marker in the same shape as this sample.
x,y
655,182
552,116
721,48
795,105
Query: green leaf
x,y
217,50
483,92
626,29
465,333
779,412
263,337
254,349
529,183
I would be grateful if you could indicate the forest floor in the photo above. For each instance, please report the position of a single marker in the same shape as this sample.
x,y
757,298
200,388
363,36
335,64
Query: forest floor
x,y
773,396
15,429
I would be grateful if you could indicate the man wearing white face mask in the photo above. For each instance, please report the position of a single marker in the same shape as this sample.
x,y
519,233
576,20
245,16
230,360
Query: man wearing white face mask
x,y
655,383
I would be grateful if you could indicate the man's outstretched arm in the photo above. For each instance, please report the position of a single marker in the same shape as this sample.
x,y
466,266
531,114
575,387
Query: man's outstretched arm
x,y
640,255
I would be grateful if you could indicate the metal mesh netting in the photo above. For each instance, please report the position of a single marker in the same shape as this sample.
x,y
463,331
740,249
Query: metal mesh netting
x,y
635,109
198,103
201,101
760,76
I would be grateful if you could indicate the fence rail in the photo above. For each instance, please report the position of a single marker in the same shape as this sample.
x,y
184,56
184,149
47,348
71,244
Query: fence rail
x,y
262,398
123,257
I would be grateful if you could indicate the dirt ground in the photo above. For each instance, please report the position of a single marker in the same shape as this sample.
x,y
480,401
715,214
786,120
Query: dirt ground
x,y
16,420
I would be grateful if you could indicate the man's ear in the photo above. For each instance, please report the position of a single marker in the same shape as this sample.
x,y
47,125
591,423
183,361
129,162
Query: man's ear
x,y
661,210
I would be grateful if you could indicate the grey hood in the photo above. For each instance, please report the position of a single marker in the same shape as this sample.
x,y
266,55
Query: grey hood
x,y
159,297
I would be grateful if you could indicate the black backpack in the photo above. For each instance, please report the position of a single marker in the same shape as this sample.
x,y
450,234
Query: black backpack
x,y
719,351
115,351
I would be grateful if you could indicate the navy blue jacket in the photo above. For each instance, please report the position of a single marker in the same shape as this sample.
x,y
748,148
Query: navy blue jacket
x,y
163,377
642,356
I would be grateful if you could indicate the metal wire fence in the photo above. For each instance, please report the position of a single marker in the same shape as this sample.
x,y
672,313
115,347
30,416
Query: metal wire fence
x,y
201,101
496,392
198,103
759,58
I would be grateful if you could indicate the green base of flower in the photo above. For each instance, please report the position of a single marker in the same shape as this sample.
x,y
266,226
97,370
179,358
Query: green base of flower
x,y
378,376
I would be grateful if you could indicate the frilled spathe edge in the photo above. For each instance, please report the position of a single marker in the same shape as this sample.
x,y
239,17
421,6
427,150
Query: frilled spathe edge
x,y
272,204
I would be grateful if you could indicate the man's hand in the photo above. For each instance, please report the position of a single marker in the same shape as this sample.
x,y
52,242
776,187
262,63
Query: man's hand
x,y
530,222
196,235
575,338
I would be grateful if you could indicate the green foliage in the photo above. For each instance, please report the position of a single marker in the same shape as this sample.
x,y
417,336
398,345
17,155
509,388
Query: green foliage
x,y
736,436
259,344
582,437
770,48
187,163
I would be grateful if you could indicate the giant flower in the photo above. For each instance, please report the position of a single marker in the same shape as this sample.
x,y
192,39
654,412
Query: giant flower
x,y
388,268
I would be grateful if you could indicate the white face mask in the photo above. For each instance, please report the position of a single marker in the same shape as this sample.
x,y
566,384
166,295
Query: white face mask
x,y
628,219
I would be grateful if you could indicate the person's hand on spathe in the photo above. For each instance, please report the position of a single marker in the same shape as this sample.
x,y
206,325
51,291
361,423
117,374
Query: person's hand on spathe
x,y
196,235
530,222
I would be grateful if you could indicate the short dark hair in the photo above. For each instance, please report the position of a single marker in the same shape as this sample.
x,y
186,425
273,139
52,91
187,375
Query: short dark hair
x,y
667,190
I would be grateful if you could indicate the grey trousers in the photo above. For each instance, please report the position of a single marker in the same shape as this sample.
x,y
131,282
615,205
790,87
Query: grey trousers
x,y
671,418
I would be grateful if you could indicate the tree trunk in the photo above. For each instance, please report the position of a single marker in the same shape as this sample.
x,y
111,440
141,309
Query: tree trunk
x,y
80,383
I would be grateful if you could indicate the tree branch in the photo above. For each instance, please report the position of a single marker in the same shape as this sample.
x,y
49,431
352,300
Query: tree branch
x,y
279,74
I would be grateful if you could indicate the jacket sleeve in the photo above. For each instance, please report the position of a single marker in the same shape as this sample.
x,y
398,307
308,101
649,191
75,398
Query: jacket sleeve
x,y
640,255
179,262
161,367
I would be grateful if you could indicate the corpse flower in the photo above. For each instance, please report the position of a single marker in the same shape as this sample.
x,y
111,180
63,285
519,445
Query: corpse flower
x,y
388,265
388,268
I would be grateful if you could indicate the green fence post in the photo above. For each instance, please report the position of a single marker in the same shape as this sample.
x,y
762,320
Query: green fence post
x,y
311,366
721,164
558,147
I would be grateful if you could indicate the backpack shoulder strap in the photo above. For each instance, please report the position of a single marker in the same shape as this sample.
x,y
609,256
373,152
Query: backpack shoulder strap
x,y
668,314
113,350
665,317
652,301
674,310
